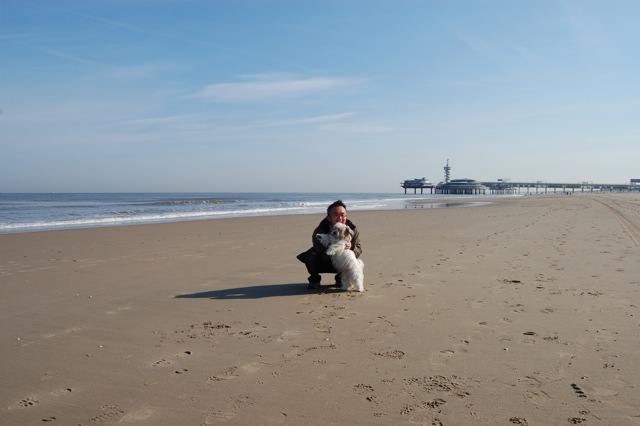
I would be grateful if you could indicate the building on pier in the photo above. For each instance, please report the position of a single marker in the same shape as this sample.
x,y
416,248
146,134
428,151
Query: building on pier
x,y
459,186
415,184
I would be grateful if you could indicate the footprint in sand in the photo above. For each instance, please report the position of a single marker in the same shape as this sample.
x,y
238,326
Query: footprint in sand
x,y
235,403
164,362
63,332
28,402
453,385
605,335
533,389
61,392
217,416
33,400
322,327
442,357
436,403
281,337
477,331
481,330
390,353
109,413
253,367
578,390
116,310
239,401
607,388
228,374
137,416
161,363
234,372
361,388
518,307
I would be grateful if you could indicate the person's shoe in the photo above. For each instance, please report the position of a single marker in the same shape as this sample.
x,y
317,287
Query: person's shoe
x,y
338,281
313,286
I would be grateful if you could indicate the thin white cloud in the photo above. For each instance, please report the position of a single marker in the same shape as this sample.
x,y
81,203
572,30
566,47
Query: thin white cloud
x,y
136,72
324,118
502,52
64,55
357,128
482,47
523,53
269,87
155,121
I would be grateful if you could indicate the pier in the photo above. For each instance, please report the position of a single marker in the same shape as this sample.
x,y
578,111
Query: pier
x,y
505,187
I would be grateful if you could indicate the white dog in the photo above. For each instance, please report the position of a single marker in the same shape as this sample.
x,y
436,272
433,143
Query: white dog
x,y
344,261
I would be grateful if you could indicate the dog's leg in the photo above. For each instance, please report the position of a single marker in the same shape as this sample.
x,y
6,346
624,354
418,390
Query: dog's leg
x,y
347,280
344,281
356,275
358,284
361,276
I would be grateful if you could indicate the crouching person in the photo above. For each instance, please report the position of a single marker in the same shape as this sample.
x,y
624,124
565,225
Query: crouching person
x,y
316,259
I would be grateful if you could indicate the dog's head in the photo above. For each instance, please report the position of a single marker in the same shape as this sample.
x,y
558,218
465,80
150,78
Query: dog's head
x,y
326,239
341,231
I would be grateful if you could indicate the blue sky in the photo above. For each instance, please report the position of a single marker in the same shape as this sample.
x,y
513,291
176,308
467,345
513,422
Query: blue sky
x,y
315,95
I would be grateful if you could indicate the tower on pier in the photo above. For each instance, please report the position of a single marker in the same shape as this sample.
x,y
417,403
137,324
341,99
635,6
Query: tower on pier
x,y
447,172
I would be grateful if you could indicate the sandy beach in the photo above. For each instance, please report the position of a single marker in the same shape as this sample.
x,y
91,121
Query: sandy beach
x,y
524,311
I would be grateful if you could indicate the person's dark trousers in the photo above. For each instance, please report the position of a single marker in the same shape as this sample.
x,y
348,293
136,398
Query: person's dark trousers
x,y
316,264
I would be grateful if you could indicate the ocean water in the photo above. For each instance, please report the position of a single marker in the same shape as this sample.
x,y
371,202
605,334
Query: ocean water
x,y
42,212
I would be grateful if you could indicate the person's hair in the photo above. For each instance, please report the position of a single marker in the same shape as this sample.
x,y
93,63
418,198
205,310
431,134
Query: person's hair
x,y
335,204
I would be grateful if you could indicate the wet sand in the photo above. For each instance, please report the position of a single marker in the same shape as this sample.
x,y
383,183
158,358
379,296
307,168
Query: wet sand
x,y
521,312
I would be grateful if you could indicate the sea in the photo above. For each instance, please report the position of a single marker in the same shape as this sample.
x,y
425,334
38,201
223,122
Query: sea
x,y
53,211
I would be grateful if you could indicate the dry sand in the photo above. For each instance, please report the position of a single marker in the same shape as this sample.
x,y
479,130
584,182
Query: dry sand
x,y
521,312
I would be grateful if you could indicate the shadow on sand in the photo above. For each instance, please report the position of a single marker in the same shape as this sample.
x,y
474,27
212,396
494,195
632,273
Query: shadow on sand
x,y
253,292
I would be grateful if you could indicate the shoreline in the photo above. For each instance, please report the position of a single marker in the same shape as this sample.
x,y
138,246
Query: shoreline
x,y
530,301
40,212
384,203
89,222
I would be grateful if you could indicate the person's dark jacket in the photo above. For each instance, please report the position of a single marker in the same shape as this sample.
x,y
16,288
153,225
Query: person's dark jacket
x,y
324,228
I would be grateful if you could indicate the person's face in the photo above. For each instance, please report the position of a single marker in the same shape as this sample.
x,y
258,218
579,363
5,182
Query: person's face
x,y
338,214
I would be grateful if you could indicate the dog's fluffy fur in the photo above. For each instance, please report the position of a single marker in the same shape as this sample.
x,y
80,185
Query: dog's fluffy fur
x,y
344,261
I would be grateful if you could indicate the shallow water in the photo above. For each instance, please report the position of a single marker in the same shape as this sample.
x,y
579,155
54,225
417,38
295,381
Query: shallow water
x,y
42,212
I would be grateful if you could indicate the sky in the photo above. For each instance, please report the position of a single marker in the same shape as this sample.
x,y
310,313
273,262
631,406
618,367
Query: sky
x,y
315,95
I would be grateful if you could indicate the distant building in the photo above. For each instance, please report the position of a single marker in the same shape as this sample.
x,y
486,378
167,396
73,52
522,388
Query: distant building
x,y
415,184
459,186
